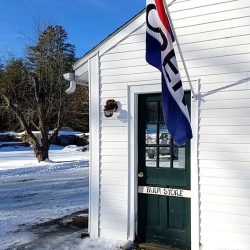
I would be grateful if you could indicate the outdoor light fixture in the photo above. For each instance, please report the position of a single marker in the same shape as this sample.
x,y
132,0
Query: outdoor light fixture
x,y
110,107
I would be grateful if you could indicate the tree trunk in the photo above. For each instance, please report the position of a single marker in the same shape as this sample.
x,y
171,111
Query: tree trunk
x,y
41,152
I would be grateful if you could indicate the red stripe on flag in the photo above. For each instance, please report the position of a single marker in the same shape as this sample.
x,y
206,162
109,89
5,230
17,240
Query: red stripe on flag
x,y
162,14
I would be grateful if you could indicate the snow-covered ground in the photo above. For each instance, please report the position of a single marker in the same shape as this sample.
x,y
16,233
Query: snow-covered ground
x,y
32,193
23,157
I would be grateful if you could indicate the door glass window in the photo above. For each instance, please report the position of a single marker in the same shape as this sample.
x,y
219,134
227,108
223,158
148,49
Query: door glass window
x,y
151,157
164,136
164,157
179,157
151,112
160,149
151,134
161,117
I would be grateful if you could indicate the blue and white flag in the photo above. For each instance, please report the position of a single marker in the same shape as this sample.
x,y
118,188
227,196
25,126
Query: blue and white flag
x,y
160,54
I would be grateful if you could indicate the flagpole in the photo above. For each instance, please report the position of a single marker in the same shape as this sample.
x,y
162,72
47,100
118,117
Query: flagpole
x,y
179,48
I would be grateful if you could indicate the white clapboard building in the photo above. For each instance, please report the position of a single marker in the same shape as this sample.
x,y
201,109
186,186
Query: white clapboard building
x,y
142,186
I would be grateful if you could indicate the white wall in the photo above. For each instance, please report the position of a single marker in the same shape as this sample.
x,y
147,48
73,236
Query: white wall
x,y
215,39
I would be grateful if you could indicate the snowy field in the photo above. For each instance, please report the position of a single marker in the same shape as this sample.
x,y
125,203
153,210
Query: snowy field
x,y
23,157
32,193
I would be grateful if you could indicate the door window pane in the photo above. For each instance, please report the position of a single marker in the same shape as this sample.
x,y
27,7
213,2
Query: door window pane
x,y
164,136
164,151
179,157
151,112
164,157
151,156
151,131
161,117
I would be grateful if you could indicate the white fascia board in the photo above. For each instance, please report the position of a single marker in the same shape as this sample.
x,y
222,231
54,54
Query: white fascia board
x,y
111,41
123,33
84,79
81,74
82,69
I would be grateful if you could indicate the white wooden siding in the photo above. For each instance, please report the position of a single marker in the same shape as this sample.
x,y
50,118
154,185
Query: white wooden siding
x,y
215,39
218,52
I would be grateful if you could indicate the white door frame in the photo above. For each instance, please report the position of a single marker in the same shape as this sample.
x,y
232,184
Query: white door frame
x,y
133,92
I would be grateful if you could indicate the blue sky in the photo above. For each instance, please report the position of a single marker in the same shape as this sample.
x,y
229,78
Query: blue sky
x,y
87,22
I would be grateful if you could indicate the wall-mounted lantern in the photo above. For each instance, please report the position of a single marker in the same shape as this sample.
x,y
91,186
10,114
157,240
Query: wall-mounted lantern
x,y
110,107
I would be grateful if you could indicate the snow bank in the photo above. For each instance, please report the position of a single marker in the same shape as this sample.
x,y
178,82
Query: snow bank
x,y
23,157
75,133
73,148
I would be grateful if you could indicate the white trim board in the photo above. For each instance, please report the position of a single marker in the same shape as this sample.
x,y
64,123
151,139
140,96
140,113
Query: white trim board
x,y
94,172
133,92
195,210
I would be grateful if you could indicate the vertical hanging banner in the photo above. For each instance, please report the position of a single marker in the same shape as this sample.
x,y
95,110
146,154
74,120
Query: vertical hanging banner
x,y
160,54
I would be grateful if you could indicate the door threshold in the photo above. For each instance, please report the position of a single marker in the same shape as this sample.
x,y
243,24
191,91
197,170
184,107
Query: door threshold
x,y
152,246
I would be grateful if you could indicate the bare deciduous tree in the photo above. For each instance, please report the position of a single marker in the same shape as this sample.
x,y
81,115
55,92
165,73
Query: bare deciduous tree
x,y
34,90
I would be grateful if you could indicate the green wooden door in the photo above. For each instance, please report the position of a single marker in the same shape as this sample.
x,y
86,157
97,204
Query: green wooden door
x,y
161,163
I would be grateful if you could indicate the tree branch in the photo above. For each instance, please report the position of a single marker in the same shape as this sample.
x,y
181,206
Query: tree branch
x,y
56,130
20,117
